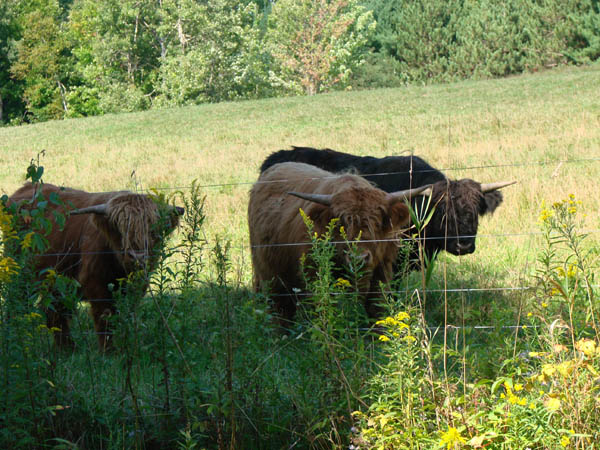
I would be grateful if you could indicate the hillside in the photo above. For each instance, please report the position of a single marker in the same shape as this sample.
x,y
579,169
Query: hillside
x,y
516,128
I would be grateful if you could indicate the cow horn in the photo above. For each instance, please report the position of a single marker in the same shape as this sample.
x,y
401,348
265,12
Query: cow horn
x,y
178,210
407,193
96,209
489,187
323,199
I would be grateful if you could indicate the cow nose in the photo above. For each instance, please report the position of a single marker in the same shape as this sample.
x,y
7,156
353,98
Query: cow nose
x,y
465,247
138,256
367,258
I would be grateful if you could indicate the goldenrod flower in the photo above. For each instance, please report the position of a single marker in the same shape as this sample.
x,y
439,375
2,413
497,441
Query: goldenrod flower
x,y
8,268
586,346
384,338
452,438
6,227
565,368
548,369
402,316
552,404
27,240
342,283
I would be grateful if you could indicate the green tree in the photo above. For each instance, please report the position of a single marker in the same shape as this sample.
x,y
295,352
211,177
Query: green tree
x,y
210,52
11,105
316,44
43,60
117,53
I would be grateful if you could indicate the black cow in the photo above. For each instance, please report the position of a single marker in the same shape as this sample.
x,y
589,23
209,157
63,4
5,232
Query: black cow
x,y
458,203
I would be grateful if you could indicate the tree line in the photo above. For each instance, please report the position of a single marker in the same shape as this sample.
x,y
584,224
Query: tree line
x,y
73,58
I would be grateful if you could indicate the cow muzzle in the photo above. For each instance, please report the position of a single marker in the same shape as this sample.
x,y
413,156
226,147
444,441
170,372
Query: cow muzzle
x,y
140,257
362,260
464,248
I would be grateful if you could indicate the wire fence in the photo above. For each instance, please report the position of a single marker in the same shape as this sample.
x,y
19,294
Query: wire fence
x,y
377,174
419,239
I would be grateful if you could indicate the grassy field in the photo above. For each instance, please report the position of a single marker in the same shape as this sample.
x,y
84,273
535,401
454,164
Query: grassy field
x,y
519,128
542,130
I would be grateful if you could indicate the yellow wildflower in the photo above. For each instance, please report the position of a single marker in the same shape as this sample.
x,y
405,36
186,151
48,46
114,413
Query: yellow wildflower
x,y
452,438
8,268
548,369
6,227
565,440
384,338
565,368
342,283
552,404
586,346
27,240
402,316
545,215
529,314
544,305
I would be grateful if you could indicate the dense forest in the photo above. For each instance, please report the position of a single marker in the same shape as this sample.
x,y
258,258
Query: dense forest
x,y
73,58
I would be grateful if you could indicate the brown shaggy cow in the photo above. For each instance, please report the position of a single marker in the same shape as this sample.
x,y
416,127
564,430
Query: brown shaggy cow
x,y
274,218
108,236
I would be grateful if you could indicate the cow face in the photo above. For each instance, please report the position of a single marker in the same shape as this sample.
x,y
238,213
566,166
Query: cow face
x,y
133,225
368,215
458,205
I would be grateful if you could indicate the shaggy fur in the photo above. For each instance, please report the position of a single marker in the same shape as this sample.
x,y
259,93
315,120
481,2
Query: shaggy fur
x,y
274,218
459,203
96,250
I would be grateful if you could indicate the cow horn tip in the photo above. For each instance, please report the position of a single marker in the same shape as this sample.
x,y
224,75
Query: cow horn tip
x,y
488,187
96,209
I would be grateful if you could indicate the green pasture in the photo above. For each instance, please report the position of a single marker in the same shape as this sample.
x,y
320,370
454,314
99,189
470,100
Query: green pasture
x,y
542,130
520,128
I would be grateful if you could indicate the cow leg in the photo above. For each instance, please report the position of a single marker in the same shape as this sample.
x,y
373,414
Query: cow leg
x,y
285,308
373,307
101,312
57,320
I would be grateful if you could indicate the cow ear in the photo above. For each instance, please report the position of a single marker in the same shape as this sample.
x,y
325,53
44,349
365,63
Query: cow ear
x,y
489,202
397,215
321,215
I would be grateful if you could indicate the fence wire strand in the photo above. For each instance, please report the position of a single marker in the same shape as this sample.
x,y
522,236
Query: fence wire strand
x,y
376,174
